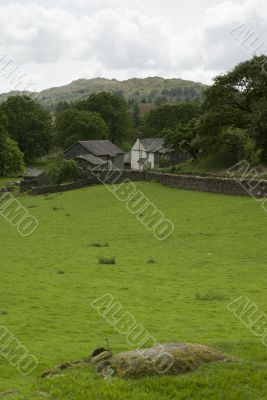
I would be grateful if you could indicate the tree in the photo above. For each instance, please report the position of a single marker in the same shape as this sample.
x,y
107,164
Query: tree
x,y
183,139
237,100
114,111
63,171
136,117
29,124
11,158
73,125
168,117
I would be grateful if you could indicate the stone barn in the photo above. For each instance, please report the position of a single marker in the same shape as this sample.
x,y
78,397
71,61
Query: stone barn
x,y
92,153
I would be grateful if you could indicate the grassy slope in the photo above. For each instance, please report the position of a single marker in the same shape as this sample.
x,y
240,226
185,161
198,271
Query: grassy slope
x,y
51,313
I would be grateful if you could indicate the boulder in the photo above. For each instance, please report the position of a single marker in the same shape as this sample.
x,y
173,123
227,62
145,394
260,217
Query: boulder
x,y
165,359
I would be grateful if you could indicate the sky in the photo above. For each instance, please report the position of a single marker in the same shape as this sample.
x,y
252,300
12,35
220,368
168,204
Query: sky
x,y
45,43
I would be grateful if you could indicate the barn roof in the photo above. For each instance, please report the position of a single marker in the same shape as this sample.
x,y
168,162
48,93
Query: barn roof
x,y
91,159
33,173
101,147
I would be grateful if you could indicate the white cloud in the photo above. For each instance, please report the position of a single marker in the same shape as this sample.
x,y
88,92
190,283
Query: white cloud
x,y
122,39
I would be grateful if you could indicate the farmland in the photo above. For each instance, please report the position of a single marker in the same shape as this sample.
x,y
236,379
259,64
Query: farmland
x,y
216,254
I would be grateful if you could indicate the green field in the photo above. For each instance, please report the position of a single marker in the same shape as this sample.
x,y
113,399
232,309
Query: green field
x,y
218,249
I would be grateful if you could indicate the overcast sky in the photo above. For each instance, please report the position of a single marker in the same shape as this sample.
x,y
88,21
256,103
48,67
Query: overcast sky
x,y
56,42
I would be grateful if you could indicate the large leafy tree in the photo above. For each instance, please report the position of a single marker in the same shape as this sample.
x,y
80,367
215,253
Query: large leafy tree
x,y
236,101
73,125
168,117
114,111
11,158
183,139
29,124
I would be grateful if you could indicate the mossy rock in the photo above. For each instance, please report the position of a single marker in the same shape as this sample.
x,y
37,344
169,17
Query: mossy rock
x,y
166,359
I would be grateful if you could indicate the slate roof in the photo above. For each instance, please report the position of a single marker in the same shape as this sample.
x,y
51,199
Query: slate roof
x,y
153,145
91,159
101,147
33,173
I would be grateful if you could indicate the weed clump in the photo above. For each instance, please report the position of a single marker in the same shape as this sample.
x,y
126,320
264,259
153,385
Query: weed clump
x,y
107,260
96,244
210,296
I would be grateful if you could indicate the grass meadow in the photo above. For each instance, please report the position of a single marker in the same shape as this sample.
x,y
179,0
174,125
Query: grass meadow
x,y
217,253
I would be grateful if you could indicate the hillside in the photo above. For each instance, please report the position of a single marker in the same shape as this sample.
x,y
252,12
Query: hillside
x,y
148,90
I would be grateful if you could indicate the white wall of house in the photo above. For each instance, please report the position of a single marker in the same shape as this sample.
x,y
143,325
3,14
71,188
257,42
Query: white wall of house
x,y
151,159
137,152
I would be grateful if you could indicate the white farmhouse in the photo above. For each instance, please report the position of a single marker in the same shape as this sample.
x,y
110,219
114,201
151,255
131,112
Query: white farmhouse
x,y
147,153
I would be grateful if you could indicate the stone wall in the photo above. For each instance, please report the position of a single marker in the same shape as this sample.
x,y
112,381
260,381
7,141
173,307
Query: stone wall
x,y
187,182
211,184
62,188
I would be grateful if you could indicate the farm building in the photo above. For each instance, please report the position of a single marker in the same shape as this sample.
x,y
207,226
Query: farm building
x,y
147,153
33,178
93,153
151,153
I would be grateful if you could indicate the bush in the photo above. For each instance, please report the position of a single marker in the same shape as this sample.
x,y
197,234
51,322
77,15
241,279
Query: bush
x,y
63,171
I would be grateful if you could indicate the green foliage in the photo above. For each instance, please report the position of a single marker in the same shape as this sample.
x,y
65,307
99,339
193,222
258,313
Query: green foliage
x,y
114,111
137,120
11,158
63,171
168,117
183,140
237,102
29,124
73,125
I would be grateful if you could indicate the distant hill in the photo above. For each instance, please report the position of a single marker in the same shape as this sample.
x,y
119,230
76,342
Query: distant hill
x,y
149,90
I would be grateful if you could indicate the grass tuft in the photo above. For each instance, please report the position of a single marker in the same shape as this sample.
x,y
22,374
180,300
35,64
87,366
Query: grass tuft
x,y
151,261
107,260
211,296
96,244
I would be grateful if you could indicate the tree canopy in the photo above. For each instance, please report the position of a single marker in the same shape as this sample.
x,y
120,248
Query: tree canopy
x,y
233,120
73,125
168,117
236,100
29,124
114,111
11,158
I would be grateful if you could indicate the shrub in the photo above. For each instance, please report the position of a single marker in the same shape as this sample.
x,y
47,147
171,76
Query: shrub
x,y
63,171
